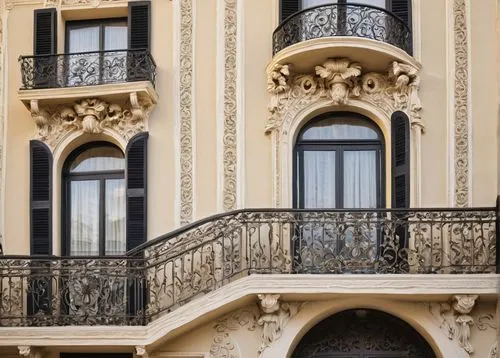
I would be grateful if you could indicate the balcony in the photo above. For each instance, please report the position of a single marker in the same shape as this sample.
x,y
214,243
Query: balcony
x,y
369,35
168,272
58,79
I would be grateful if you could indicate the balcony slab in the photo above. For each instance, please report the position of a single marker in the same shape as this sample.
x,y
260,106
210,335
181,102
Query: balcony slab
x,y
243,291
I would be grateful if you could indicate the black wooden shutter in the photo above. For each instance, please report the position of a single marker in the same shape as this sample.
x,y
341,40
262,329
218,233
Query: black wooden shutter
x,y
400,129
139,24
136,176
40,288
45,32
288,7
401,8
41,198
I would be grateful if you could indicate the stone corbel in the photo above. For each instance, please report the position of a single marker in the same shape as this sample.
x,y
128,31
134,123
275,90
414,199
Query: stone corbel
x,y
341,77
463,305
29,351
273,318
140,351
41,118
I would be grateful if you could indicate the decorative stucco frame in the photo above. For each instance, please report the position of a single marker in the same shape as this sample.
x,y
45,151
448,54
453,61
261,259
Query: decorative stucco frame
x,y
340,85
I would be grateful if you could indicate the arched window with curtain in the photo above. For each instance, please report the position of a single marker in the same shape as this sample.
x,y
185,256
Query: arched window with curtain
x,y
94,200
339,163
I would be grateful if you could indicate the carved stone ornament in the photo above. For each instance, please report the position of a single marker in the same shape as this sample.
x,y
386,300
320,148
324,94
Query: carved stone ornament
x,y
29,351
275,315
339,80
140,351
494,351
456,320
93,3
90,115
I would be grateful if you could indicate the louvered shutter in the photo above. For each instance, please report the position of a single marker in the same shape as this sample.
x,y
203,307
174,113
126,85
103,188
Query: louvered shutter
x,y
45,43
40,286
40,198
136,176
139,25
45,32
288,7
400,125
402,8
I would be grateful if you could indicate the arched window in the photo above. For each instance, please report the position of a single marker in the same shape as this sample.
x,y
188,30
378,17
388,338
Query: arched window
x,y
94,201
339,163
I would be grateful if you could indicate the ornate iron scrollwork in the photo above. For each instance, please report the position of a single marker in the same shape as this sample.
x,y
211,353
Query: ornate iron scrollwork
x,y
166,273
87,69
343,20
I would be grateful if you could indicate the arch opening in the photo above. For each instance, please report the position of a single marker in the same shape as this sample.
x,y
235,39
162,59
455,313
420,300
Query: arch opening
x,y
363,333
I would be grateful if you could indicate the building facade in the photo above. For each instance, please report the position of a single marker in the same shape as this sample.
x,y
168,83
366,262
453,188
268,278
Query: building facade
x,y
249,178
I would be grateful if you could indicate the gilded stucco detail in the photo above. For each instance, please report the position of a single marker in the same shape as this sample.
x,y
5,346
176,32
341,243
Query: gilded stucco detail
x,y
337,81
230,108
186,111
90,115
456,319
462,134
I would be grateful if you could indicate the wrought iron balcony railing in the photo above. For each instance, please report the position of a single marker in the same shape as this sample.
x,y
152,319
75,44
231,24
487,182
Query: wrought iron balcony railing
x,y
169,271
86,69
343,20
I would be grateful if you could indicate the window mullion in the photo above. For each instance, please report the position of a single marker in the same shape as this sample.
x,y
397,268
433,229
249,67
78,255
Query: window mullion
x,y
102,218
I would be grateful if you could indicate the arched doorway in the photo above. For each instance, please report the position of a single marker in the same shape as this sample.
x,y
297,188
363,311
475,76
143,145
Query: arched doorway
x,y
363,333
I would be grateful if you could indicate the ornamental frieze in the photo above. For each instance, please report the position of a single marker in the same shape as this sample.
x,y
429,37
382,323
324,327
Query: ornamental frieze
x,y
90,115
339,80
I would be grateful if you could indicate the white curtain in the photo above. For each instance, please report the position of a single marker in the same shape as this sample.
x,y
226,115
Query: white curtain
x,y
115,63
319,179
360,179
84,218
115,217
84,39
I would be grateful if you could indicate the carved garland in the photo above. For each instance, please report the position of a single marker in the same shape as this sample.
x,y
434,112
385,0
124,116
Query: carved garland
x,y
462,133
230,115
90,115
186,110
337,81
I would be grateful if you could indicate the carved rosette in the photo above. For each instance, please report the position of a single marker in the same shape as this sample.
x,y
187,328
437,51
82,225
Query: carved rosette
x,y
90,115
338,80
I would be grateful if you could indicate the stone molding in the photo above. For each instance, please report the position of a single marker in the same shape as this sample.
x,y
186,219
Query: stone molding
x,y
462,134
336,83
186,111
2,103
90,115
455,318
229,138
86,3
415,287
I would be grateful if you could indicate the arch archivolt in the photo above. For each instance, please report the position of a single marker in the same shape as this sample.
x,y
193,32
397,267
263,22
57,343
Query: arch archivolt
x,y
338,85
418,317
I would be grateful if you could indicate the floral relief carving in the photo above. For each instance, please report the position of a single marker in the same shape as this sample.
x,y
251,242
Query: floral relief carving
x,y
186,110
494,351
456,319
90,115
29,351
230,108
462,131
223,346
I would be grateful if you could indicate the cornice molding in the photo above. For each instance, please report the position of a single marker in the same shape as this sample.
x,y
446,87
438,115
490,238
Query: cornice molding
x,y
414,287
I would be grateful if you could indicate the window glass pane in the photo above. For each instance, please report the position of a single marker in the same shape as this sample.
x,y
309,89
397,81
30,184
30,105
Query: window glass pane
x,y
115,37
310,3
339,128
84,217
98,159
360,179
115,217
378,3
84,39
319,179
